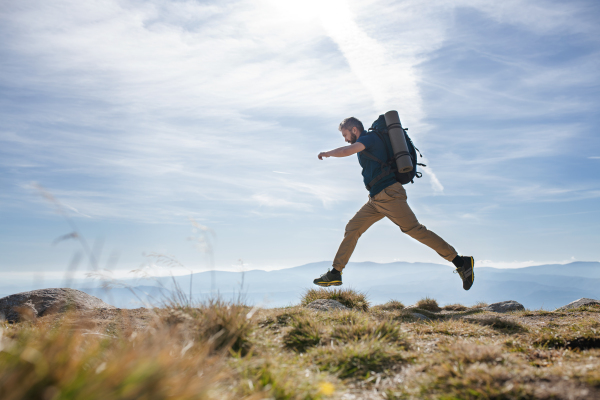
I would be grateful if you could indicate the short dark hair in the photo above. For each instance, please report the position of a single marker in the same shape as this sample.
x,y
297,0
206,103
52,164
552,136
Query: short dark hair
x,y
350,123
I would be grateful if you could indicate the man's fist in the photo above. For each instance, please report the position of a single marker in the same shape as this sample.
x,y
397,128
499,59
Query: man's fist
x,y
323,154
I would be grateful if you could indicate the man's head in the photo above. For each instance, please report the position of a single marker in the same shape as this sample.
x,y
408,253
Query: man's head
x,y
351,129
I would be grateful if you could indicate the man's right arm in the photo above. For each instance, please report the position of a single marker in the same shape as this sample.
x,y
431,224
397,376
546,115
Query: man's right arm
x,y
343,151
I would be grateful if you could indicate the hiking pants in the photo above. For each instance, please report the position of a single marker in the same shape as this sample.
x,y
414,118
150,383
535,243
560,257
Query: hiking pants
x,y
391,203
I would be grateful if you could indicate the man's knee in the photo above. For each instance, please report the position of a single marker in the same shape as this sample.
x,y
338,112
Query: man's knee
x,y
354,229
415,231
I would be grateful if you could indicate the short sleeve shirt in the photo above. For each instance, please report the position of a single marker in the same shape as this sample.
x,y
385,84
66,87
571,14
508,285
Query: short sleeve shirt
x,y
370,168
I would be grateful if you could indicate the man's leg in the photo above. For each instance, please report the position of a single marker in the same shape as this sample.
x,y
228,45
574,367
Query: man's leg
x,y
362,220
392,203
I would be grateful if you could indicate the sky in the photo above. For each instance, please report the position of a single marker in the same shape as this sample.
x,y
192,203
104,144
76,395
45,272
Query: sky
x,y
188,131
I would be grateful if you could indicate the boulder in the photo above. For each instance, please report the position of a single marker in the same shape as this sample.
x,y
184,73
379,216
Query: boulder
x,y
504,306
578,303
37,303
326,305
420,316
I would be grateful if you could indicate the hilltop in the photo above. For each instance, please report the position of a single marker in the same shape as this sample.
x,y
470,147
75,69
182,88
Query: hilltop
x,y
220,350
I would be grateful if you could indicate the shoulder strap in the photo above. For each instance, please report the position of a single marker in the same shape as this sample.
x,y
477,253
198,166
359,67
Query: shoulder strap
x,y
386,169
372,157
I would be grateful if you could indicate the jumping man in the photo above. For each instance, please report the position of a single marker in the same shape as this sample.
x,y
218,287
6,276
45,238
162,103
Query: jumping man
x,y
387,198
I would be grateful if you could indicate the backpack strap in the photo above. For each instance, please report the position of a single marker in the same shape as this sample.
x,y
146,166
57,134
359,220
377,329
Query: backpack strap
x,y
386,169
372,157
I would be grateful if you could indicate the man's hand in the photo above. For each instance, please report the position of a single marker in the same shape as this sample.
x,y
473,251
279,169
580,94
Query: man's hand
x,y
343,151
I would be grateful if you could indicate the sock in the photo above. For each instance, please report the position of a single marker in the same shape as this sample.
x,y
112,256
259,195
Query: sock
x,y
335,271
458,262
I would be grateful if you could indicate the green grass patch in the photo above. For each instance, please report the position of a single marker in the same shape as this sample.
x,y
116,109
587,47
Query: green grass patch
x,y
303,334
387,331
360,359
278,381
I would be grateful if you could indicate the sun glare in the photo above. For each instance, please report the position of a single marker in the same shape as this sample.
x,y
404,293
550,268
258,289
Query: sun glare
x,y
304,10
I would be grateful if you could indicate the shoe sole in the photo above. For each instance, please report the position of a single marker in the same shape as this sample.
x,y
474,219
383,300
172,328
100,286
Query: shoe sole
x,y
472,273
326,284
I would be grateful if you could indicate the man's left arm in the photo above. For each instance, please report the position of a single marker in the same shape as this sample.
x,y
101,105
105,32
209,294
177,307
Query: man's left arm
x,y
343,151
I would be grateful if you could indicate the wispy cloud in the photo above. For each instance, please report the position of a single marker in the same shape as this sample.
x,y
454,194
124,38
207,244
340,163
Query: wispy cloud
x,y
155,111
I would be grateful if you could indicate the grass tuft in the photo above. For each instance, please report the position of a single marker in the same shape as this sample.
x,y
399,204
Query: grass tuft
x,y
480,304
348,297
303,334
360,359
428,304
224,325
370,330
391,306
455,307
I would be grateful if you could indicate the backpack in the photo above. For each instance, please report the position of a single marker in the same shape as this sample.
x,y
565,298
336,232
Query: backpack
x,y
379,127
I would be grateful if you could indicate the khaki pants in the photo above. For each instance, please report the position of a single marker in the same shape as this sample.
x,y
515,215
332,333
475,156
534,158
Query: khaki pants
x,y
391,203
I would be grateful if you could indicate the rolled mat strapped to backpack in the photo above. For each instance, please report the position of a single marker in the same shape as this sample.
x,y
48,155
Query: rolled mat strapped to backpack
x,y
382,128
401,154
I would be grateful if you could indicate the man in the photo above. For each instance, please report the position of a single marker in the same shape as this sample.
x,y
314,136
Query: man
x,y
387,198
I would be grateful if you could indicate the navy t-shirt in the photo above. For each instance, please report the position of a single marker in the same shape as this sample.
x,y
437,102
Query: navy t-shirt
x,y
371,169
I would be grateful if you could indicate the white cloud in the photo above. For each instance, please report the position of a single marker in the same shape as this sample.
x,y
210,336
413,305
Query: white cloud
x,y
520,264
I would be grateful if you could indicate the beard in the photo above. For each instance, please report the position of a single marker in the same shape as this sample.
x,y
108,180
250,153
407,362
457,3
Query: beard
x,y
353,138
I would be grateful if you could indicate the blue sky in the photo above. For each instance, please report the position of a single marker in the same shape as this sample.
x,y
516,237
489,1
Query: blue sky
x,y
140,116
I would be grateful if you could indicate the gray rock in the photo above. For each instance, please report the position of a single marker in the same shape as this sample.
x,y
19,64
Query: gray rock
x,y
37,303
326,305
420,316
504,306
578,303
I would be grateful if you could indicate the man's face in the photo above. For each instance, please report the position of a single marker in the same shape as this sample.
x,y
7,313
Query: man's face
x,y
350,135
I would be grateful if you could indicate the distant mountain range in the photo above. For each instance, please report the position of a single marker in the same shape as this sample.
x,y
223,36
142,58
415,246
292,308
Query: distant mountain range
x,y
544,286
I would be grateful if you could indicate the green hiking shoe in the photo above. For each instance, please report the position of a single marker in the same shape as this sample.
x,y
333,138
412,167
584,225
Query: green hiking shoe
x,y
467,272
329,279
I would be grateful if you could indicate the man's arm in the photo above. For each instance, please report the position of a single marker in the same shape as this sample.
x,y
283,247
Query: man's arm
x,y
343,151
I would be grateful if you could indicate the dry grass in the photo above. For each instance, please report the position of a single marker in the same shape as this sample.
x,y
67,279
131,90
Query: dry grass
x,y
582,335
348,297
454,307
428,304
386,331
390,306
229,351
41,361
